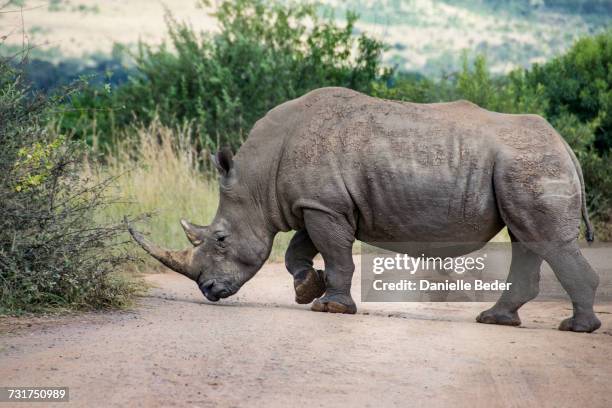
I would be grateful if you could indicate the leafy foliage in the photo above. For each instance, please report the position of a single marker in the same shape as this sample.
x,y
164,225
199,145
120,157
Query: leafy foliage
x,y
578,88
52,253
580,83
264,54
509,94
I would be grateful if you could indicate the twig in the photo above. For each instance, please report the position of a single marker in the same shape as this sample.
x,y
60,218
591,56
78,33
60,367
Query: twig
x,y
21,10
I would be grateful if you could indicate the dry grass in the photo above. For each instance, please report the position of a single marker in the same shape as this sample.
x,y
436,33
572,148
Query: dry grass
x,y
157,173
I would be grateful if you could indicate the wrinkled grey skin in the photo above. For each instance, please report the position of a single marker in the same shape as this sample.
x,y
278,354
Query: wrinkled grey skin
x,y
336,165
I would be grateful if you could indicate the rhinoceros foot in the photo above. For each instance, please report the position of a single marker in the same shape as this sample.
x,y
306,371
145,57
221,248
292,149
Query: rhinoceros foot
x,y
310,287
583,324
493,316
335,304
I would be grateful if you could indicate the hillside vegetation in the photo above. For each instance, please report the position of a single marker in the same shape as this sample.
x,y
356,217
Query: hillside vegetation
x,y
428,35
423,35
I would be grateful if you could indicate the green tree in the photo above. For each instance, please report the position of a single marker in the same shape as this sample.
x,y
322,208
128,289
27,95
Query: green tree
x,y
264,54
580,83
578,87
501,93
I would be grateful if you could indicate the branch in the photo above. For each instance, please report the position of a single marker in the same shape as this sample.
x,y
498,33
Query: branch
x,y
18,10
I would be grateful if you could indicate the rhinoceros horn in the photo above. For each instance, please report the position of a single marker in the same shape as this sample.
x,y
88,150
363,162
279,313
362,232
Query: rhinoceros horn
x,y
179,261
195,233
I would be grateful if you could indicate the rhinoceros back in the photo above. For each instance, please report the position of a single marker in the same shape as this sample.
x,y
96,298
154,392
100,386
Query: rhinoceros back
x,y
398,171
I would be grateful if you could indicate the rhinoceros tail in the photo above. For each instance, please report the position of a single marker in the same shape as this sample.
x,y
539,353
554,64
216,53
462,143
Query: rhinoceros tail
x,y
589,234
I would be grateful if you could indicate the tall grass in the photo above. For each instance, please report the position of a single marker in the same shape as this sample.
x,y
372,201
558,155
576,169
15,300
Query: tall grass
x,y
159,173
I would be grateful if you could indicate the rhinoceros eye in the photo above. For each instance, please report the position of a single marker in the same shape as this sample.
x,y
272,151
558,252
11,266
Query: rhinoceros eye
x,y
220,239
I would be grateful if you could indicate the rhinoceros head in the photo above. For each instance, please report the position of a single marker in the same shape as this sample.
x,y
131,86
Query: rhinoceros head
x,y
229,251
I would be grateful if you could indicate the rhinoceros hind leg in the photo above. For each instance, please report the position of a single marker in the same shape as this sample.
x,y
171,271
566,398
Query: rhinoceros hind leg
x,y
586,324
524,277
333,236
580,282
546,218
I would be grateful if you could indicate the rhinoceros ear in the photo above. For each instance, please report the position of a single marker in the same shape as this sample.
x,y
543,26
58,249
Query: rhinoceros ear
x,y
224,161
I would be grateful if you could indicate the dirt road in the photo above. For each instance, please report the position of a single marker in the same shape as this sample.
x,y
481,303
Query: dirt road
x,y
261,349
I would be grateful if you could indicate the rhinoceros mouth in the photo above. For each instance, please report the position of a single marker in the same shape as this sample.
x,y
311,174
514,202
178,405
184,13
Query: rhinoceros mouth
x,y
206,289
214,290
212,297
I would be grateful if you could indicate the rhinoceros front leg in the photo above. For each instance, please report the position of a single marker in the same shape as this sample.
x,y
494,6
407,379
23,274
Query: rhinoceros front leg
x,y
333,237
308,282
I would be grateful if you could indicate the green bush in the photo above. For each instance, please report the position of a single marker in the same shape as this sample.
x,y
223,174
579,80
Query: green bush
x,y
264,54
578,88
52,252
580,83
509,93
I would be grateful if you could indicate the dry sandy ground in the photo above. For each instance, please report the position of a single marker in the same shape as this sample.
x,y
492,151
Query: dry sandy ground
x,y
260,349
